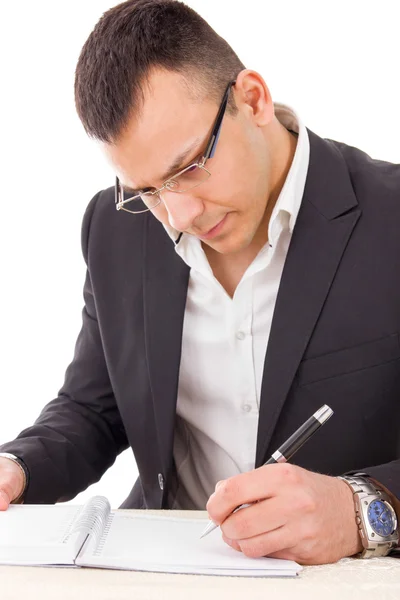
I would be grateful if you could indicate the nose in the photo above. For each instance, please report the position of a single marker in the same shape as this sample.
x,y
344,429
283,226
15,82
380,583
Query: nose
x,y
183,209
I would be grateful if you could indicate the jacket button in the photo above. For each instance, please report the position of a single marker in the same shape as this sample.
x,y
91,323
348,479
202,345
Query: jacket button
x,y
161,481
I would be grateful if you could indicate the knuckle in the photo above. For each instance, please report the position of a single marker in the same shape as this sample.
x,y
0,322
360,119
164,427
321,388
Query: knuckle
x,y
252,550
307,553
308,539
306,556
210,503
309,503
240,527
225,487
286,554
221,499
310,534
304,502
232,543
290,473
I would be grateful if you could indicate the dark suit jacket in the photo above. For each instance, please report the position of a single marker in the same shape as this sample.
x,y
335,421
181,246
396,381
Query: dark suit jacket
x,y
335,339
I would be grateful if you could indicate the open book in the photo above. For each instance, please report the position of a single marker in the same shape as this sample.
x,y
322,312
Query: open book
x,y
93,535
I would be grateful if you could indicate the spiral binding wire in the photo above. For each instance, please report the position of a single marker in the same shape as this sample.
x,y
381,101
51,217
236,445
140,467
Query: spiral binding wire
x,y
92,519
101,542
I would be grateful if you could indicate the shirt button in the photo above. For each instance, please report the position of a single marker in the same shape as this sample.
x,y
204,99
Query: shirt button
x,y
247,407
240,335
161,481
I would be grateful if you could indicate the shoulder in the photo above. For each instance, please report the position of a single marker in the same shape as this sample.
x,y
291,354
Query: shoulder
x,y
108,232
371,178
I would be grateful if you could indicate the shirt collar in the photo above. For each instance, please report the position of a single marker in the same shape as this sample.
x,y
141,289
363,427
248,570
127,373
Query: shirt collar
x,y
288,203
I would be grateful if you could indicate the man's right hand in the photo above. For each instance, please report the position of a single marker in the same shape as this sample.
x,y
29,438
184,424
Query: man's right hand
x,y
11,482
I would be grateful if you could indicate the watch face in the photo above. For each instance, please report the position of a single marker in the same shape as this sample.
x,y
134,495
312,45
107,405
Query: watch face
x,y
380,518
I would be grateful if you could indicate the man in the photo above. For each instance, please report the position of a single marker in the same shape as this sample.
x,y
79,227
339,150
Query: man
x,y
257,279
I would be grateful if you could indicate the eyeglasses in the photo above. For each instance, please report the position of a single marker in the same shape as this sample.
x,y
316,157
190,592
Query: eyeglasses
x,y
187,179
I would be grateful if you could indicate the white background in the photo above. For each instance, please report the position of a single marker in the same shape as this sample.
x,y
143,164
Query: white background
x,y
336,63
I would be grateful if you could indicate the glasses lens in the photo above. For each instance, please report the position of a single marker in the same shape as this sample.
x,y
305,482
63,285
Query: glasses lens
x,y
141,203
188,179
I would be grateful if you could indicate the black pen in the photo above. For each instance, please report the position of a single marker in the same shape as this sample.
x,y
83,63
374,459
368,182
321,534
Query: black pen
x,y
288,448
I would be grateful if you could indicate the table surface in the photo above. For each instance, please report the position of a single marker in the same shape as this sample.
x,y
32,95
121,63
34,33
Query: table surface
x,y
349,579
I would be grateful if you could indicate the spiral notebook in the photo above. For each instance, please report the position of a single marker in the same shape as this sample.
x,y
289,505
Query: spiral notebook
x,y
93,535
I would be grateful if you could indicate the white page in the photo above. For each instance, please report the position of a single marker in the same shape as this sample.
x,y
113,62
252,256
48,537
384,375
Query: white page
x,y
37,534
173,545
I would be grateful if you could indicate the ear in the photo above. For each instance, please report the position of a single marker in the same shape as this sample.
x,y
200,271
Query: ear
x,y
253,97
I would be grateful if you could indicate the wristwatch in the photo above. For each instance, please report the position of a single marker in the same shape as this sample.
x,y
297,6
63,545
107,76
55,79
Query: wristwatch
x,y
25,473
375,516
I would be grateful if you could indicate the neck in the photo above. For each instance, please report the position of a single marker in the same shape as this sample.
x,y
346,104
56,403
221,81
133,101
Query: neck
x,y
229,269
283,145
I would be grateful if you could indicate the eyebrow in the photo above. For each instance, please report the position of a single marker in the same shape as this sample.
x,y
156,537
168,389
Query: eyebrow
x,y
175,166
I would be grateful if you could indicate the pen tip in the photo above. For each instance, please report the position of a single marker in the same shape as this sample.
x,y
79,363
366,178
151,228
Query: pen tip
x,y
210,527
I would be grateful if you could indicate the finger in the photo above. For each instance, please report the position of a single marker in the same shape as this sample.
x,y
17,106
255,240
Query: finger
x,y
266,544
7,491
231,493
261,517
305,554
286,554
232,543
4,500
261,483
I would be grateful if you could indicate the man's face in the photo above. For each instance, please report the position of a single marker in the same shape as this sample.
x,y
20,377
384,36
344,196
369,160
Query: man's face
x,y
225,211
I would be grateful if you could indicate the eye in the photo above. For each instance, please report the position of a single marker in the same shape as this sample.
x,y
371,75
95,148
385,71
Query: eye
x,y
138,192
172,183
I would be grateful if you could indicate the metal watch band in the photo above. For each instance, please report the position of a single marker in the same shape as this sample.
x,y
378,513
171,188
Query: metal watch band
x,y
24,471
362,486
360,483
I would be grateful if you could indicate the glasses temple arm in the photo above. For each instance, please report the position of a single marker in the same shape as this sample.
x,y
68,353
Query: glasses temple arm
x,y
217,125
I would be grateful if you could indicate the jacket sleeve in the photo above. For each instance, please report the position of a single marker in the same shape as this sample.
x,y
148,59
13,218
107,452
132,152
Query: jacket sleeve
x,y
388,475
79,434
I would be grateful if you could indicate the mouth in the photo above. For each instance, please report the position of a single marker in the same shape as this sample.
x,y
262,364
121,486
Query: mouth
x,y
216,230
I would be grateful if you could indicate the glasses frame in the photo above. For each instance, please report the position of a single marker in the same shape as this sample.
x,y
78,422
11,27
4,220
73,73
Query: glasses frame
x,y
209,153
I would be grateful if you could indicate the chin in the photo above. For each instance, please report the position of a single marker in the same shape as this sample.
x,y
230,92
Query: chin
x,y
228,245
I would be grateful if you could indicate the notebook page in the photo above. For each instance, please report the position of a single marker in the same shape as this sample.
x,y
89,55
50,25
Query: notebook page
x,y
173,545
37,534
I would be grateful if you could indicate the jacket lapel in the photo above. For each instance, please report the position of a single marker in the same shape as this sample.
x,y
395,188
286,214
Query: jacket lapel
x,y
165,281
326,219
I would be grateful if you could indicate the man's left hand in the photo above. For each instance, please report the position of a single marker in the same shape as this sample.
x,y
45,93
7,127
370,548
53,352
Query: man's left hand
x,y
294,514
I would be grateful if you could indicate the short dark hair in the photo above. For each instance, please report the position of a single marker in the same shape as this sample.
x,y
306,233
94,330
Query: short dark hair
x,y
128,43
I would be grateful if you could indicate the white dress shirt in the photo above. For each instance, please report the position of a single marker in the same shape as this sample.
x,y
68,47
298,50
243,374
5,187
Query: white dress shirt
x,y
223,346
